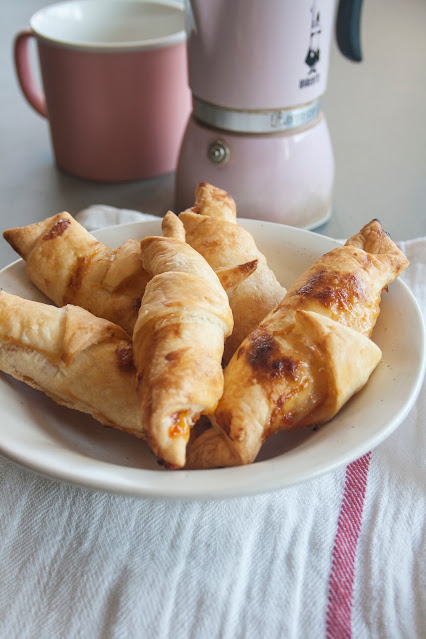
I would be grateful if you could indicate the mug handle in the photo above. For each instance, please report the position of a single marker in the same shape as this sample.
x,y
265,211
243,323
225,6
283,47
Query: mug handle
x,y
23,70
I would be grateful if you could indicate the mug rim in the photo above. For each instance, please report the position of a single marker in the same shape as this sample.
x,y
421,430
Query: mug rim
x,y
143,45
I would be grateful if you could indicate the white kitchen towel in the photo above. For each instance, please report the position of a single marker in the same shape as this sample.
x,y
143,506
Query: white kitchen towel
x,y
340,556
98,216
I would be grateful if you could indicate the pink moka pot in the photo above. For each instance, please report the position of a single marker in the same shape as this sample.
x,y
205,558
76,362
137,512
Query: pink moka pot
x,y
115,88
257,71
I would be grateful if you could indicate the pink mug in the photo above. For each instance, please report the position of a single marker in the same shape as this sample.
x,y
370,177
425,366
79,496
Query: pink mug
x,y
115,85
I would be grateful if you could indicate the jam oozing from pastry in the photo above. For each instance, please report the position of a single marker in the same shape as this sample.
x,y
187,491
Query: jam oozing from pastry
x,y
57,229
181,424
278,415
76,279
81,266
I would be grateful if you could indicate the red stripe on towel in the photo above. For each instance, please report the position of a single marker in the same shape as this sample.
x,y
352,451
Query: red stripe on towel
x,y
341,582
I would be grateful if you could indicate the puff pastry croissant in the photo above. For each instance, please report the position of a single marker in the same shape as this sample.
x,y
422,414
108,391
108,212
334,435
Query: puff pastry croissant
x,y
178,341
211,228
77,359
71,267
308,356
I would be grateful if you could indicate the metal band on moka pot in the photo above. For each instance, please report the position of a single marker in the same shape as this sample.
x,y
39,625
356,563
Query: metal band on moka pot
x,y
255,121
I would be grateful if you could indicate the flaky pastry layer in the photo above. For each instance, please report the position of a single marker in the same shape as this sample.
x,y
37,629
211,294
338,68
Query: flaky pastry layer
x,y
178,341
78,360
71,267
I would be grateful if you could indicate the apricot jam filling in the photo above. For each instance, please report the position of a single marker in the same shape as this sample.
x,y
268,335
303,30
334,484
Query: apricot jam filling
x,y
181,425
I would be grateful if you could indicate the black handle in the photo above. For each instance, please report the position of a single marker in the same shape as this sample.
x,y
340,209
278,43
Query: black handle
x,y
348,29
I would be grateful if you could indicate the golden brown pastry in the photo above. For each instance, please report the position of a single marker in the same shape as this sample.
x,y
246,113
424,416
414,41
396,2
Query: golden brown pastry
x,y
71,267
77,359
308,356
213,202
178,341
211,229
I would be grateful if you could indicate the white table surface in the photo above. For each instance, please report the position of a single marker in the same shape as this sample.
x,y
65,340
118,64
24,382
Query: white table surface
x,y
375,111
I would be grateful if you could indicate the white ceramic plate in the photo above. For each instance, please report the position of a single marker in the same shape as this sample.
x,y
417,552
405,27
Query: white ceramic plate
x,y
73,447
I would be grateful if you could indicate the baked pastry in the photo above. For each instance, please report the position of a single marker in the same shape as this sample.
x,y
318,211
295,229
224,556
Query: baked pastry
x,y
308,356
71,267
178,341
211,228
75,358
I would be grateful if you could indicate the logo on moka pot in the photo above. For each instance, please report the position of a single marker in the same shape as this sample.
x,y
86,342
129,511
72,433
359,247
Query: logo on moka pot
x,y
313,54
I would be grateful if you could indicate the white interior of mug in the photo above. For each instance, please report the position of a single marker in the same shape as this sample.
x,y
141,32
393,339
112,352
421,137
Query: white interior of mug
x,y
111,24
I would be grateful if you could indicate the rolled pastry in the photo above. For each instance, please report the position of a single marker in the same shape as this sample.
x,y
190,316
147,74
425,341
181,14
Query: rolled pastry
x,y
178,341
78,360
308,356
211,228
71,267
